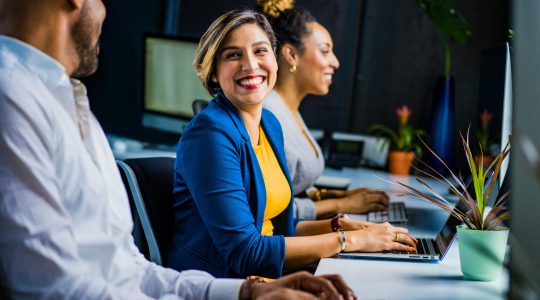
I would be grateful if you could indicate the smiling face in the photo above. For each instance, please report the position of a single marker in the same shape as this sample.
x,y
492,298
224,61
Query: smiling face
x,y
246,68
317,62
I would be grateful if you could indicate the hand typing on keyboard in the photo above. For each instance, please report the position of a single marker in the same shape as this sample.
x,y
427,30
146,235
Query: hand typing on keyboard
x,y
364,200
413,251
380,237
396,213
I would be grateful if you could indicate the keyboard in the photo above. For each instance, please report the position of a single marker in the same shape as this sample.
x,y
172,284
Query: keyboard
x,y
396,213
424,247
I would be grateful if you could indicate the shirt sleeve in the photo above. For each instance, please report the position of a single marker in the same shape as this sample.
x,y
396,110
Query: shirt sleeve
x,y
209,160
190,284
304,208
38,252
159,281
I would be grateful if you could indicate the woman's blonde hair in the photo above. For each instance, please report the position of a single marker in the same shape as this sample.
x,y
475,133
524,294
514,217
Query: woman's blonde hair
x,y
211,43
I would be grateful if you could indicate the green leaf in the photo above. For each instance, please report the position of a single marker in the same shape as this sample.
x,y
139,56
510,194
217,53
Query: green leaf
x,y
448,21
384,129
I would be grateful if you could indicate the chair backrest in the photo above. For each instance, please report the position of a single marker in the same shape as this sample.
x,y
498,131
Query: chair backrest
x,y
198,105
149,182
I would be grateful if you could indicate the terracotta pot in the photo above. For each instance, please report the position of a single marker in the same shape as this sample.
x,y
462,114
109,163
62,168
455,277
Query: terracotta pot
x,y
488,159
399,162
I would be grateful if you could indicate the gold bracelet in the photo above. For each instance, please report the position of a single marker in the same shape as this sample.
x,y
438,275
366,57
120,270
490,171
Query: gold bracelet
x,y
318,194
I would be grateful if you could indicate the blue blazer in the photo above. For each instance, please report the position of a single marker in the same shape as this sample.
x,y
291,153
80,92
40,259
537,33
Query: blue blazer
x,y
220,197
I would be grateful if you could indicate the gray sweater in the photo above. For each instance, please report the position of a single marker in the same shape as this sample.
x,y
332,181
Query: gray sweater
x,y
304,166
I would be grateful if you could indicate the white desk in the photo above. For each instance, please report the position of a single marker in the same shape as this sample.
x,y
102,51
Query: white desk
x,y
382,279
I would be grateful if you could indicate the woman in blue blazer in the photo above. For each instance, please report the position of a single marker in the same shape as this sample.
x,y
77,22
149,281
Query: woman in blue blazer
x,y
219,185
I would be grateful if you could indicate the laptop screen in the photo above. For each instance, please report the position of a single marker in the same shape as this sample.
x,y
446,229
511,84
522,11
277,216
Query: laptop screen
x,y
446,235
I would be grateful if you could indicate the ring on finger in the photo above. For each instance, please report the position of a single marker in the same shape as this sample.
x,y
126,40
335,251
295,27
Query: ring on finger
x,y
397,236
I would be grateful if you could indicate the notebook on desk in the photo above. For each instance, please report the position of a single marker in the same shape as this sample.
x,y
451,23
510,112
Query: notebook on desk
x,y
428,250
396,213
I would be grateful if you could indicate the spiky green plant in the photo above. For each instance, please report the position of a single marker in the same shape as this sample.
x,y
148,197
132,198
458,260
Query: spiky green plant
x,y
474,217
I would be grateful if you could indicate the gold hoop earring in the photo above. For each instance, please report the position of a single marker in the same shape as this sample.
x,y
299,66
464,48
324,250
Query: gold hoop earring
x,y
292,69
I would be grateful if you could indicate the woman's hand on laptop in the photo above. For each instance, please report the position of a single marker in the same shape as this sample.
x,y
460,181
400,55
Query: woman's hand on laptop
x,y
380,237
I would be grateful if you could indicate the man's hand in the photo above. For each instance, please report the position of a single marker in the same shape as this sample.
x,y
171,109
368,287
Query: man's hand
x,y
303,285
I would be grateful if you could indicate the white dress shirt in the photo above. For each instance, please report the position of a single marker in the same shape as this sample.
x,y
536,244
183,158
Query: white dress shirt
x,y
65,222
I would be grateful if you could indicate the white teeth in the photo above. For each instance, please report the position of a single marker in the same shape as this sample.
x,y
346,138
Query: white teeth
x,y
251,81
328,76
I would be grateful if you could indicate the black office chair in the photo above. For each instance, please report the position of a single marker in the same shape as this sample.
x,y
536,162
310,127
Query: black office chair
x,y
198,105
4,294
149,182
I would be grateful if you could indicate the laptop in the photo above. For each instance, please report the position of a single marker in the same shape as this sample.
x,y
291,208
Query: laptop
x,y
396,213
429,250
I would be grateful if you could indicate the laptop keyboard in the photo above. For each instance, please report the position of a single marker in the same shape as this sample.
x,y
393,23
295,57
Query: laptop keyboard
x,y
421,248
396,213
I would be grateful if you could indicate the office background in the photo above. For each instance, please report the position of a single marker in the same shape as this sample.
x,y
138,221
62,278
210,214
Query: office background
x,y
390,55
389,50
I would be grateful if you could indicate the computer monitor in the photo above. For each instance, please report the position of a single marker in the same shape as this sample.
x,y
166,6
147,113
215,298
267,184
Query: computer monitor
x,y
170,84
495,96
506,130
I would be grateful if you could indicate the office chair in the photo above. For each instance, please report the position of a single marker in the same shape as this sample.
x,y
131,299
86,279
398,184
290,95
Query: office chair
x,y
198,105
149,182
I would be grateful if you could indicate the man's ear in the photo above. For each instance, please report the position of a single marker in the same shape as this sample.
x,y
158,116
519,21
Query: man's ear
x,y
76,4
290,54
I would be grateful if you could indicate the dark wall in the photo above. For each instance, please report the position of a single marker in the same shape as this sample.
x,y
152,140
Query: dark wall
x,y
343,21
115,89
389,51
401,55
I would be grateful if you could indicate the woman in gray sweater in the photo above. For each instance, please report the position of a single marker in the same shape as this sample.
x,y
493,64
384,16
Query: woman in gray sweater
x,y
306,66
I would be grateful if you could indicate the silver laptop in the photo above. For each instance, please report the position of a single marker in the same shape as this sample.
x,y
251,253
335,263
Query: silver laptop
x,y
396,213
429,250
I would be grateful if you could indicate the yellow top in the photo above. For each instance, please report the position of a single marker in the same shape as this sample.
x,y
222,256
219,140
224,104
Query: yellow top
x,y
278,191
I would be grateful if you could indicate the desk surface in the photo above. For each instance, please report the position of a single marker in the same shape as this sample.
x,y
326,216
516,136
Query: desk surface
x,y
382,279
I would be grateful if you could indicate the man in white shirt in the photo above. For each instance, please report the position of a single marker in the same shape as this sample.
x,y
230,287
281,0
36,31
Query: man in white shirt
x,y
65,223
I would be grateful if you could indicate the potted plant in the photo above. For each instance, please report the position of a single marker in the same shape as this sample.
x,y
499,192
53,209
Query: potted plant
x,y
403,147
452,28
482,135
481,238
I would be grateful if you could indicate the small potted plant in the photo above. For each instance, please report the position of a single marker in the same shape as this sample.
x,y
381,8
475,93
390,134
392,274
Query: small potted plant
x,y
403,145
482,240
484,142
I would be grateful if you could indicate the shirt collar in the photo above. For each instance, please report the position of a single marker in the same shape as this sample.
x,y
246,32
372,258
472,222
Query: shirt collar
x,y
49,71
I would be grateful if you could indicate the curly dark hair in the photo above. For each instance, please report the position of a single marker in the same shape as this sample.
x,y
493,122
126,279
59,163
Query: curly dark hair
x,y
290,25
